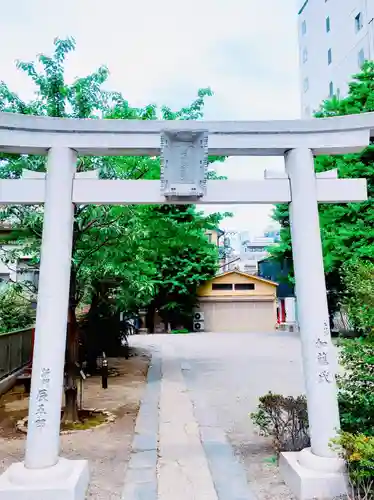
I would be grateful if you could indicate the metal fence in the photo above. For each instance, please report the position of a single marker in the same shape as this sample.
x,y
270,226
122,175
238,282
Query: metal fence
x,y
15,350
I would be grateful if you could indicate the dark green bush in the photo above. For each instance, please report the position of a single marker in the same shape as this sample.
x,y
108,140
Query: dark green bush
x,y
356,386
285,419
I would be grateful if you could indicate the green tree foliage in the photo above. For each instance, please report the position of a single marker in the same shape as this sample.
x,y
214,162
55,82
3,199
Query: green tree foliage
x,y
15,310
347,230
356,396
358,278
184,259
356,405
146,255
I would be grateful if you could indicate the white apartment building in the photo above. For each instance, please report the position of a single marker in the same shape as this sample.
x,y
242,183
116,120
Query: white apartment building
x,y
252,251
335,38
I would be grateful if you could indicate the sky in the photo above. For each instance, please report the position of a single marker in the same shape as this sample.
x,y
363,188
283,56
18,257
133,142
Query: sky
x,y
163,51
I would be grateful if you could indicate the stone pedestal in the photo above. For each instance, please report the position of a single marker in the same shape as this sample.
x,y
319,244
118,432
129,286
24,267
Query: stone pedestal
x,y
67,480
310,477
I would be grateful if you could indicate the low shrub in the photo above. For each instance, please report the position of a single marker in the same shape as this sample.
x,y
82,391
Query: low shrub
x,y
358,453
285,419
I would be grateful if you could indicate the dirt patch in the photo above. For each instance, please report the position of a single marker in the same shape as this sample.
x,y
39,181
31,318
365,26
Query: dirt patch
x,y
13,407
258,458
109,452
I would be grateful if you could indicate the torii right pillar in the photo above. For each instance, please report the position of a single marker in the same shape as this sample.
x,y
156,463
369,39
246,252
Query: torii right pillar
x,y
315,472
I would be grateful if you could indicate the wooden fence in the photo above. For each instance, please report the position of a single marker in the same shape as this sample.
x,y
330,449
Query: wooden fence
x,y
15,350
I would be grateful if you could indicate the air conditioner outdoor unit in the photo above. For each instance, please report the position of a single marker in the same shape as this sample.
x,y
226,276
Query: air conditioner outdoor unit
x,y
198,316
198,326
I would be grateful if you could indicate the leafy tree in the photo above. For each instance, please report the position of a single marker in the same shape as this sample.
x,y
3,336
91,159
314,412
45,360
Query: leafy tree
x,y
139,252
347,230
358,278
15,310
184,259
355,383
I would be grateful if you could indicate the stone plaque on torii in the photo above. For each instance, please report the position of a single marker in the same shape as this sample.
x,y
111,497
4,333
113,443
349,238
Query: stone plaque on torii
x,y
183,147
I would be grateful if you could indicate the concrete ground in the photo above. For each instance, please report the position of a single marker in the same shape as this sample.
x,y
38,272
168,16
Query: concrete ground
x,y
205,386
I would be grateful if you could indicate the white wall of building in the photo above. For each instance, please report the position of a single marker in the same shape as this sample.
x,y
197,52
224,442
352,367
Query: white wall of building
x,y
17,271
7,271
348,45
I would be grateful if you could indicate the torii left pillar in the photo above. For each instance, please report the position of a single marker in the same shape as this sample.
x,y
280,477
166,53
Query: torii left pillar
x,y
44,475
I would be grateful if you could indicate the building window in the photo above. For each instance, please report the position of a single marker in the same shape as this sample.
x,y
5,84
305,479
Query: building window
x,y
306,84
331,89
244,286
305,55
222,286
303,28
328,24
358,22
209,235
361,57
329,56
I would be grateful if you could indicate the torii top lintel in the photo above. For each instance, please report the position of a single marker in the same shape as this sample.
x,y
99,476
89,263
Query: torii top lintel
x,y
37,134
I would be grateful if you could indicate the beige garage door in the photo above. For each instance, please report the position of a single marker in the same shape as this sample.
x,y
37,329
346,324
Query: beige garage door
x,y
235,316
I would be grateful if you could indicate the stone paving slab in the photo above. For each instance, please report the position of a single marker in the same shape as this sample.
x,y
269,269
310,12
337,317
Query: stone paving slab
x,y
140,476
183,471
228,475
179,452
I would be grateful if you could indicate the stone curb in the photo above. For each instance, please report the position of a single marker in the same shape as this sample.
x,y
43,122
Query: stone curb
x,y
140,476
21,425
227,472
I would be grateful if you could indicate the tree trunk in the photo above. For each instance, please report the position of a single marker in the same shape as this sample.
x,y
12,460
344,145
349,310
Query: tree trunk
x,y
92,334
166,319
150,318
71,369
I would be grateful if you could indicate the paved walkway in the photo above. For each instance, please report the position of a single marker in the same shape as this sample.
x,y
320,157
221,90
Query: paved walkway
x,y
180,450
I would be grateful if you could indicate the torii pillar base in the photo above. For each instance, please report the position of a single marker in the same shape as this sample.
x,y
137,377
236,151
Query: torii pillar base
x,y
310,477
67,480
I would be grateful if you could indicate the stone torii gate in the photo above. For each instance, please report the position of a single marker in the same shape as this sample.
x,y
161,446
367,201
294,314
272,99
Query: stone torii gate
x,y
183,146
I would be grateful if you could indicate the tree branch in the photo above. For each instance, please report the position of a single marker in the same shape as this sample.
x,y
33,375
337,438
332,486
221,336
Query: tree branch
x,y
24,285
104,224
90,253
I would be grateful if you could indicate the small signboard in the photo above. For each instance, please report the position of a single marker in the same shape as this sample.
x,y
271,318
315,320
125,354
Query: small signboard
x,y
184,163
